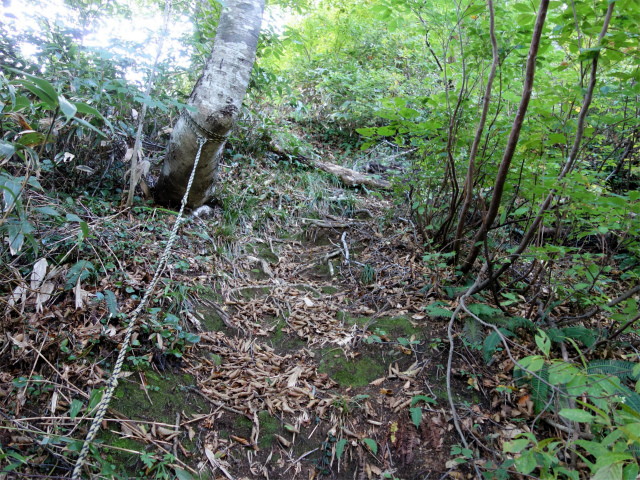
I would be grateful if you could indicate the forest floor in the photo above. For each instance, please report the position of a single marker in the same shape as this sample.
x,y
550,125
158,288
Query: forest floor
x,y
301,351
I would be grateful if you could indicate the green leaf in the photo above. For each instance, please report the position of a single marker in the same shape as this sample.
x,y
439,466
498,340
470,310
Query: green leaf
x,y
543,342
561,373
68,109
526,463
535,364
409,113
48,211
516,446
630,472
71,217
366,132
340,447
416,416
85,228
557,138
112,303
81,270
492,341
609,472
484,311
84,123
20,382
6,149
435,310
89,110
74,409
95,397
386,131
32,139
422,398
371,444
577,415
182,474
192,337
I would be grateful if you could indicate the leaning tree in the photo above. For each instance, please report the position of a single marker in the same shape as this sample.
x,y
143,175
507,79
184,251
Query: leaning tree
x,y
216,100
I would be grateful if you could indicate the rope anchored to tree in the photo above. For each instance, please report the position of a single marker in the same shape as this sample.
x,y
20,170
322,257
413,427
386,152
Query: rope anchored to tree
x,y
112,383
196,128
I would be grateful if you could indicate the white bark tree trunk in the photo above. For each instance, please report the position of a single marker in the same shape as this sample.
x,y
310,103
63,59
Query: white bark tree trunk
x,y
217,96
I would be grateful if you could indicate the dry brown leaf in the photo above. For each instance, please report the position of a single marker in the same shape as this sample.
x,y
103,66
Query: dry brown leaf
x,y
283,441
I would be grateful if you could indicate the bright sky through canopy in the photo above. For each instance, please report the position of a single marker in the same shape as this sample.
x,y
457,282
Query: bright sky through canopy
x,y
112,35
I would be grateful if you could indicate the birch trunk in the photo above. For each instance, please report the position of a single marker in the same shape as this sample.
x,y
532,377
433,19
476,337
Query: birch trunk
x,y
217,97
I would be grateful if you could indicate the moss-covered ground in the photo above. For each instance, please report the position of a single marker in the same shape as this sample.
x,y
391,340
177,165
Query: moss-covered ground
x,y
168,395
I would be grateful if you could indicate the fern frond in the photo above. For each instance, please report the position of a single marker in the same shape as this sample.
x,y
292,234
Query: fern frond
x,y
619,368
540,390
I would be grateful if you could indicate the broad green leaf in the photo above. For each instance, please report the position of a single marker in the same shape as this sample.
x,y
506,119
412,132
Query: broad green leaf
x,y
535,364
561,373
422,398
543,342
6,149
609,472
41,94
577,415
416,416
95,397
48,211
340,447
526,463
74,409
85,228
409,113
516,446
68,109
84,123
386,131
182,474
192,337
33,139
371,444
630,472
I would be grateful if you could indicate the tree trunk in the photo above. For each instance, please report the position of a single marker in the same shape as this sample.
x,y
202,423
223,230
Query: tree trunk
x,y
503,170
217,99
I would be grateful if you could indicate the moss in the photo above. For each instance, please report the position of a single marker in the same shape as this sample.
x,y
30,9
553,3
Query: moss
x,y
132,402
284,342
126,461
215,359
263,251
394,327
269,426
330,290
352,373
243,425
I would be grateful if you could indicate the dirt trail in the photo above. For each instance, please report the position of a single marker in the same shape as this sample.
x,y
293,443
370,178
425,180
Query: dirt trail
x,y
316,359
307,356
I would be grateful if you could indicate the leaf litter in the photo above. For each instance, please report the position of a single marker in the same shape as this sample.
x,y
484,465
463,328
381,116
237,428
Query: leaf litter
x,y
57,339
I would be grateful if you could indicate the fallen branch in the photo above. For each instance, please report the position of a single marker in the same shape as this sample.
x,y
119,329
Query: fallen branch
x,y
328,223
349,177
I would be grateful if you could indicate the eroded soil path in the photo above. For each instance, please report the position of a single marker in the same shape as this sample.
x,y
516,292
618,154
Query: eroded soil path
x,y
315,360
303,351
